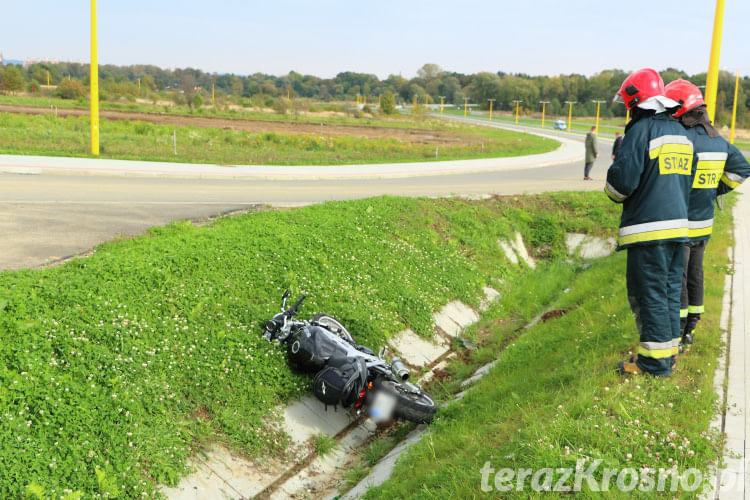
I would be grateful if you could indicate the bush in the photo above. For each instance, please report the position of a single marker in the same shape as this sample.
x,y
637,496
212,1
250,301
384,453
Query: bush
x,y
71,89
282,105
388,103
197,101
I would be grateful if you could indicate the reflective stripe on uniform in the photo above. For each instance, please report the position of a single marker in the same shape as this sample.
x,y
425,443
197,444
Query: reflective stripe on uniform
x,y
732,180
653,231
614,194
683,313
657,350
712,156
655,144
696,309
700,227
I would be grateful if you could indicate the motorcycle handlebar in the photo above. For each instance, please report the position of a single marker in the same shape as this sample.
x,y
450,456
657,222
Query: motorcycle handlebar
x,y
293,310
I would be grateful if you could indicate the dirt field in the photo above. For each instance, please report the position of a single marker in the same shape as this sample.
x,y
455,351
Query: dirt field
x,y
262,126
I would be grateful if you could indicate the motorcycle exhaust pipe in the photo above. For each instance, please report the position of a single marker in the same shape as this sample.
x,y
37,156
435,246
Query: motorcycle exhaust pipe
x,y
399,369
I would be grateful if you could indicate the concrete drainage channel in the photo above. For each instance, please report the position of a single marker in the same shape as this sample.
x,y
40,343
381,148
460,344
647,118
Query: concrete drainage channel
x,y
222,475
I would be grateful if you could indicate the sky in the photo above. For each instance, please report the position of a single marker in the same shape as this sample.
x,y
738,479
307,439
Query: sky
x,y
325,37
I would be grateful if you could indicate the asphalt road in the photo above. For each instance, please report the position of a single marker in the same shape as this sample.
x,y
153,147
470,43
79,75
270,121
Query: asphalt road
x,y
47,218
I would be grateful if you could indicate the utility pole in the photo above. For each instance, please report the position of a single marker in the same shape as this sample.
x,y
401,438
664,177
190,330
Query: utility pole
x,y
598,103
570,112
442,100
544,105
517,103
491,101
712,79
94,77
466,105
734,108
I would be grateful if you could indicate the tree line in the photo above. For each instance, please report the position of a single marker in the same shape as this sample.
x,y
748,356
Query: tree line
x,y
191,86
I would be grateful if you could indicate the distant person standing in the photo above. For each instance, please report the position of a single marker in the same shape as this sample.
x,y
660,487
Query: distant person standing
x,y
592,153
617,144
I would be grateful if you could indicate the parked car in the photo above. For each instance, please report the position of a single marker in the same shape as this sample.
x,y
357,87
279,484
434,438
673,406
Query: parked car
x,y
560,125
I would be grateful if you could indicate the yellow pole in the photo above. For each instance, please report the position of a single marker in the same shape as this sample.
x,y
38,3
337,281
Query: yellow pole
x,y
139,84
365,103
491,102
570,113
712,80
94,65
466,105
598,103
544,108
47,78
442,100
213,93
734,108
517,103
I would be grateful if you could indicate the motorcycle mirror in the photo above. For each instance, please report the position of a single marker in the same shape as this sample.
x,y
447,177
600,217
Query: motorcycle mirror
x,y
381,353
283,299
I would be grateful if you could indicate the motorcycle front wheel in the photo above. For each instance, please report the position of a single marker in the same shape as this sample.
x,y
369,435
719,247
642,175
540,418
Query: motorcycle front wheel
x,y
416,407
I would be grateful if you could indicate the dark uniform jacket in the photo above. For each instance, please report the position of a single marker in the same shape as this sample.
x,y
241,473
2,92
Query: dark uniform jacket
x,y
719,168
651,176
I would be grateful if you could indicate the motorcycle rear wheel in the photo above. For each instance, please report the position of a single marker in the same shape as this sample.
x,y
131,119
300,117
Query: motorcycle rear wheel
x,y
332,324
419,407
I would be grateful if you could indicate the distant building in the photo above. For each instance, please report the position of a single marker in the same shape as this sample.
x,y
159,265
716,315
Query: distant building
x,y
1,58
29,62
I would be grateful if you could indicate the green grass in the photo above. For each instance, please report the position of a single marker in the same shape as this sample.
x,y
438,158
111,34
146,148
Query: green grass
x,y
125,361
323,444
554,399
47,135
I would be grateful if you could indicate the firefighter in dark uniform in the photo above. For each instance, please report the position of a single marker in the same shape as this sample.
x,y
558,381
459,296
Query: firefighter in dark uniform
x,y
651,177
719,168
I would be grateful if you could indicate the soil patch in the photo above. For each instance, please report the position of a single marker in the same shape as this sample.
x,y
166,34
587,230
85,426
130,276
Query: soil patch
x,y
418,136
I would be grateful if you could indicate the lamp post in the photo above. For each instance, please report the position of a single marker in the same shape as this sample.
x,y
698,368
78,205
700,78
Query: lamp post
x,y
598,103
712,79
517,103
94,78
466,105
491,101
442,101
544,106
570,112
734,108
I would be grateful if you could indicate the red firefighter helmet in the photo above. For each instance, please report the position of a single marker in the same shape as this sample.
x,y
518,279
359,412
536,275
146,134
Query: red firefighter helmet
x,y
688,95
639,86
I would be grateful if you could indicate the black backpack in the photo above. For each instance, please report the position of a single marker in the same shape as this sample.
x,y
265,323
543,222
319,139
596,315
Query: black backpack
x,y
309,348
341,381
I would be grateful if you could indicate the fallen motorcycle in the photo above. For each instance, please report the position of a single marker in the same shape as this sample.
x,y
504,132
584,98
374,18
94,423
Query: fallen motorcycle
x,y
347,373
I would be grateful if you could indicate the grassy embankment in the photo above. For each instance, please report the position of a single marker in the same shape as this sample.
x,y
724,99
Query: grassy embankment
x,y
554,399
125,361
48,135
